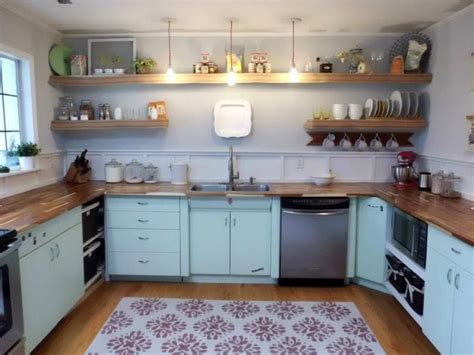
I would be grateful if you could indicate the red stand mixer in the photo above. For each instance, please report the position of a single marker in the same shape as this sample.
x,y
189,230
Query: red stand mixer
x,y
404,173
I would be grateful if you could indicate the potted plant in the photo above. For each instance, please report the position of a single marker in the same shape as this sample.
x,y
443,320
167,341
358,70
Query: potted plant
x,y
26,153
143,65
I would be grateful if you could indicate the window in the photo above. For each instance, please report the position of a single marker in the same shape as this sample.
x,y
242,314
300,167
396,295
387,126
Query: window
x,y
10,122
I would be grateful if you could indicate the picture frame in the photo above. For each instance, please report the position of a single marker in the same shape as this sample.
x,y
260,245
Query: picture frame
x,y
114,55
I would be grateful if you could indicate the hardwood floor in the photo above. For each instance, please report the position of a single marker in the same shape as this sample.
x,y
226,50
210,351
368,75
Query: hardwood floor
x,y
393,327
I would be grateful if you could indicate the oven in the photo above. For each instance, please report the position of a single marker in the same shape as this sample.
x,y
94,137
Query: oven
x,y
410,236
11,313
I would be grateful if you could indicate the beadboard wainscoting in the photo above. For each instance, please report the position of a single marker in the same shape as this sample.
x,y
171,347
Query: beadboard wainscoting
x,y
50,167
264,166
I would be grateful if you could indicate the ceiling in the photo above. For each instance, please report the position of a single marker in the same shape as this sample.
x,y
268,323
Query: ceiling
x,y
266,16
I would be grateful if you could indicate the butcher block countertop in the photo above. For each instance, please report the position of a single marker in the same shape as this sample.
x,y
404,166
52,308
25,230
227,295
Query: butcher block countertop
x,y
29,209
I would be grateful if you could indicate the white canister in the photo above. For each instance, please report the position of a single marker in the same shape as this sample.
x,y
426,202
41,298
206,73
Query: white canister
x,y
113,172
179,173
27,163
118,113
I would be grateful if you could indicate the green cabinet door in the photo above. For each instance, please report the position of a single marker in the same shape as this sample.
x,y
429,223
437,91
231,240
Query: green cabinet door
x,y
372,227
438,302
462,341
210,242
250,243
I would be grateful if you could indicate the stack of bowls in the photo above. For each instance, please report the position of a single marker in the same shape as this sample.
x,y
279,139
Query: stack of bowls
x,y
339,111
356,111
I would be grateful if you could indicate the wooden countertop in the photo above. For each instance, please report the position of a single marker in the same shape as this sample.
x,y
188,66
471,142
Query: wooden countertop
x,y
26,210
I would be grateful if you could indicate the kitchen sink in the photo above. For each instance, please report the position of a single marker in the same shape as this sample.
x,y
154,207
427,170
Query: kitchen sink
x,y
251,187
210,187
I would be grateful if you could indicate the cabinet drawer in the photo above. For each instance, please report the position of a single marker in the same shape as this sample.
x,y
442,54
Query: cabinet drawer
x,y
143,240
38,236
142,220
134,203
232,203
150,264
457,251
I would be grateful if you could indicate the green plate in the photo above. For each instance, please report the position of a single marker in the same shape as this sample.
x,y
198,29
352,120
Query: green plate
x,y
59,60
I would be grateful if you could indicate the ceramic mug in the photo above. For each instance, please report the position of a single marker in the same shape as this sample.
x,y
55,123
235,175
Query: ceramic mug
x,y
392,143
328,142
361,143
345,143
376,143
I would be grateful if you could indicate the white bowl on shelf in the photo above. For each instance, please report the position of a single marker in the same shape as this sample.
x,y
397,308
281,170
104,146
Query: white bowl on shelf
x,y
339,111
323,179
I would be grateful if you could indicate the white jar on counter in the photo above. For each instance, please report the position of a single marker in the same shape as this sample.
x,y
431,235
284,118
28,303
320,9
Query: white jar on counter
x,y
113,172
134,172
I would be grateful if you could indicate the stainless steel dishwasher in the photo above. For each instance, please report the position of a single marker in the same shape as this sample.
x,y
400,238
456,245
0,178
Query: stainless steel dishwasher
x,y
314,235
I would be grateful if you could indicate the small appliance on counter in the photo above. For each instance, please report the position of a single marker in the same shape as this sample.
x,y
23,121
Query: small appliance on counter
x,y
404,173
151,174
134,172
424,181
113,172
179,173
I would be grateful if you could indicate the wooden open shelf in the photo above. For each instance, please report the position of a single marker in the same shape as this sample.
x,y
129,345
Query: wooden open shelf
x,y
470,118
243,78
58,125
369,124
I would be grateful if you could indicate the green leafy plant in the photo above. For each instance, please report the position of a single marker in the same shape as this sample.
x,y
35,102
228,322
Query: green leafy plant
x,y
143,65
27,150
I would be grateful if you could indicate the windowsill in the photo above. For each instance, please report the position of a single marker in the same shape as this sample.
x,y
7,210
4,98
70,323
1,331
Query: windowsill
x,y
18,172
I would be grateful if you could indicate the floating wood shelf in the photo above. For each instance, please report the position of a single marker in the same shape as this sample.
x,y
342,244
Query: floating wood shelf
x,y
58,125
243,78
470,118
402,128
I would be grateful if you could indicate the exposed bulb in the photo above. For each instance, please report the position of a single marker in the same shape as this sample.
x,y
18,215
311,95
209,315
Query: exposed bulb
x,y
231,78
293,74
170,74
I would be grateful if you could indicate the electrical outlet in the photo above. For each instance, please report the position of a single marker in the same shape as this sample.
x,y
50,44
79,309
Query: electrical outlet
x,y
300,163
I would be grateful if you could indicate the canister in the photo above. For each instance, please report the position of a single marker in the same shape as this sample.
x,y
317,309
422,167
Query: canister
x,y
179,173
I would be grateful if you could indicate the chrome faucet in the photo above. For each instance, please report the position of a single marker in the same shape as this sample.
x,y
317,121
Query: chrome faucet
x,y
232,176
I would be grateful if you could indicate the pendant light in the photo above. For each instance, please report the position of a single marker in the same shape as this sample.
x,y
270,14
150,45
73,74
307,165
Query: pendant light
x,y
170,74
231,77
293,71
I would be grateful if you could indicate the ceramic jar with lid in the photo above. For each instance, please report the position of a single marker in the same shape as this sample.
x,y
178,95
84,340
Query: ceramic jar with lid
x,y
437,182
113,172
151,174
134,172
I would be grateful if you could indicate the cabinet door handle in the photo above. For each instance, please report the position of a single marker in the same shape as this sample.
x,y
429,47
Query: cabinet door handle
x,y
234,222
259,269
57,251
142,203
143,238
226,221
377,207
51,254
455,251
448,276
456,281
143,261
143,220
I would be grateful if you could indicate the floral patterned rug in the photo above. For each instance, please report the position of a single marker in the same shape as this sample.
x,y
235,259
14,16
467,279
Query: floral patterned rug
x,y
180,326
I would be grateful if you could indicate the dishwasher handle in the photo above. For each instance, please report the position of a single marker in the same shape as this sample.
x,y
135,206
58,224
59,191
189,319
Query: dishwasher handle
x,y
323,213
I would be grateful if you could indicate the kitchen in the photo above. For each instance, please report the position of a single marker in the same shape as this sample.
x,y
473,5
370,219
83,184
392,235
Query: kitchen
x,y
239,175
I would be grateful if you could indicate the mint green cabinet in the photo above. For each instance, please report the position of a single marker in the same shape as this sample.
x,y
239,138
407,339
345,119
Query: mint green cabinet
x,y
210,239
462,341
250,243
372,229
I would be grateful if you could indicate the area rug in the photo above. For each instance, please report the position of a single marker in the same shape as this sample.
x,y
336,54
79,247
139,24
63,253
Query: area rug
x,y
180,326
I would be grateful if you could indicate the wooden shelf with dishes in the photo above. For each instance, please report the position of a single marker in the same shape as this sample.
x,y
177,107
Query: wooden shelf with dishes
x,y
243,78
401,128
59,125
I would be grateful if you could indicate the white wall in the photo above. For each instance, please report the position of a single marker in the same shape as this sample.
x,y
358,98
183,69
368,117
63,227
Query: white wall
x,y
444,144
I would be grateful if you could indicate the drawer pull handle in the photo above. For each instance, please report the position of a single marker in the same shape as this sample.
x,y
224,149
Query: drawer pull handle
x,y
259,269
448,276
143,238
455,251
456,281
226,221
143,261
143,203
143,220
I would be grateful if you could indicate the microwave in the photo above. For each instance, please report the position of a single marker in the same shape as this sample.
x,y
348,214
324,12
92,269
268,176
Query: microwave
x,y
410,236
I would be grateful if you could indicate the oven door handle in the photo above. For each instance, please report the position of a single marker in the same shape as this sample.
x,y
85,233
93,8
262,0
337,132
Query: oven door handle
x,y
319,213
11,248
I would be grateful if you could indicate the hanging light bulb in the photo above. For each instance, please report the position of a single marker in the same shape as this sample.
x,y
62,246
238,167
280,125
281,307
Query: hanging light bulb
x,y
170,74
231,77
293,72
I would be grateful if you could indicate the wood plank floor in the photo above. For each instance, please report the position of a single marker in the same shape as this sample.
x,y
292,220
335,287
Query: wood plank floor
x,y
393,327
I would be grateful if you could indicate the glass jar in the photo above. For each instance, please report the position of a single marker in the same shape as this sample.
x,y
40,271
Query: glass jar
x,y
113,172
450,186
86,105
134,172
437,182
151,174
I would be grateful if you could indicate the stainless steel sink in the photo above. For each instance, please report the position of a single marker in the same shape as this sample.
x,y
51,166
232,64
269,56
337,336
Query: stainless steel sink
x,y
251,187
210,187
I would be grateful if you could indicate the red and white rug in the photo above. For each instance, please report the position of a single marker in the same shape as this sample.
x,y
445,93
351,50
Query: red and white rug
x,y
180,326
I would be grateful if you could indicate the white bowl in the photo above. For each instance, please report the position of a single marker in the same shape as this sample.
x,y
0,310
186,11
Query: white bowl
x,y
119,71
323,179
